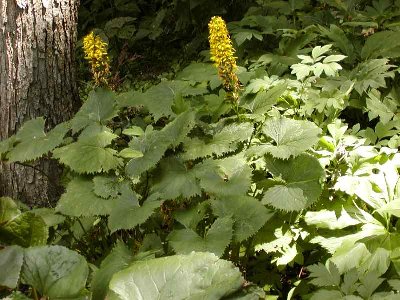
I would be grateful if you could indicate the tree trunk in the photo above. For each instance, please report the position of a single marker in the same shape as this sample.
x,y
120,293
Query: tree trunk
x,y
37,78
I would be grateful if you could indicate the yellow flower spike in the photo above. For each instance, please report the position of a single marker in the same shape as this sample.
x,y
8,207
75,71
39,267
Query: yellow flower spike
x,y
96,53
222,53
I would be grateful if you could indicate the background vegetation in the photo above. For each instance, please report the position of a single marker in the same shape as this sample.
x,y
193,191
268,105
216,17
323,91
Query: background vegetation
x,y
173,191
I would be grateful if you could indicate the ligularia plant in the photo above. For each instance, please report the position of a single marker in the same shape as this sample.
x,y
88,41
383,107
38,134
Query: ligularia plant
x,y
96,53
222,53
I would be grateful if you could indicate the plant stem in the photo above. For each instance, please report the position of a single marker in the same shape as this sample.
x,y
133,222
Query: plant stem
x,y
235,250
35,295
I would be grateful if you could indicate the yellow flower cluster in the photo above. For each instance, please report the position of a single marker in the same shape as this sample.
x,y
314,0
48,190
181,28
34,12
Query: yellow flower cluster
x,y
96,53
222,53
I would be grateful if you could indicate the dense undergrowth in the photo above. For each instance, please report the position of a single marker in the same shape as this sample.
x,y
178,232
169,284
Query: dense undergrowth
x,y
175,190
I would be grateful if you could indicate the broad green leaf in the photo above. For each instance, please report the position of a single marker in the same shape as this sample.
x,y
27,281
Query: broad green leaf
x,y
327,219
324,275
264,100
130,153
217,238
55,271
93,130
153,144
300,182
327,295
290,138
90,155
382,44
158,99
339,38
98,108
11,259
198,72
191,216
26,229
133,131
34,142
105,186
223,140
215,105
248,214
175,180
8,209
127,214
224,177
119,259
385,109
371,74
49,216
6,145
393,208
121,27
246,34
80,200
193,276
263,84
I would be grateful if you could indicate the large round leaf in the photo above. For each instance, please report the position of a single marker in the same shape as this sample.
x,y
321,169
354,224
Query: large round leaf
x,y
290,137
26,229
55,271
194,276
298,182
10,265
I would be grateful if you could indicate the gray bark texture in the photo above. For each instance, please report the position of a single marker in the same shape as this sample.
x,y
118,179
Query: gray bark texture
x,y
37,78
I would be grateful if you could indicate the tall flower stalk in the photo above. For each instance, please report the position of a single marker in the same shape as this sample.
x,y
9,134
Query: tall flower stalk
x,y
222,54
96,54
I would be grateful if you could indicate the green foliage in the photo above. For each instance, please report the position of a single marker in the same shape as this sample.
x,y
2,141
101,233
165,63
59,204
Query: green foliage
x,y
153,144
296,183
89,154
248,214
79,189
55,271
223,140
97,109
117,260
33,142
127,214
312,64
194,276
175,180
217,238
8,209
11,259
290,137
24,229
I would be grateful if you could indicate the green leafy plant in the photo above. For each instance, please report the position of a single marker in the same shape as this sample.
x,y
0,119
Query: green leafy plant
x,y
172,192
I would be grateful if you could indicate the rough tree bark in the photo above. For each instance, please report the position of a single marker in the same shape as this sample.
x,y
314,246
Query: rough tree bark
x,y
37,78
